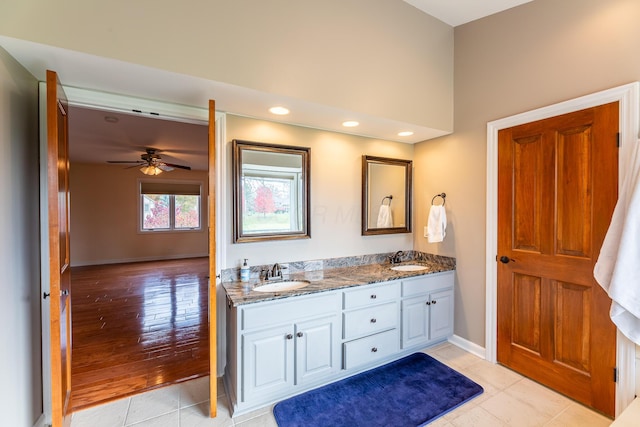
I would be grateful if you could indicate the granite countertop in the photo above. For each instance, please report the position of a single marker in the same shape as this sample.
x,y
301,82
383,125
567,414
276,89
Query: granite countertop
x,y
239,293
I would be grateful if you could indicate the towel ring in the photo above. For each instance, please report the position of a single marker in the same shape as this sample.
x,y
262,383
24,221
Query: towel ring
x,y
442,195
386,197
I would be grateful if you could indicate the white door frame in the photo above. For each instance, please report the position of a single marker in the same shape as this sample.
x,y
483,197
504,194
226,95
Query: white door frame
x,y
85,98
628,97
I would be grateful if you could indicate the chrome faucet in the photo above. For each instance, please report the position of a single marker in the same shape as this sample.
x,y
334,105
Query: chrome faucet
x,y
396,258
273,273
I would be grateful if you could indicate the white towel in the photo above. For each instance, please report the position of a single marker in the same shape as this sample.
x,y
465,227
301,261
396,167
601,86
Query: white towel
x,y
436,224
385,217
617,268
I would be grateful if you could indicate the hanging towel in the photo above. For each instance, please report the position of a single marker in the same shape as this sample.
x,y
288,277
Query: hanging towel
x,y
385,217
436,224
617,269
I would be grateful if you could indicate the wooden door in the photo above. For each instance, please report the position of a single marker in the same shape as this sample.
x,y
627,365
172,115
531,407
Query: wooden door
x,y
213,359
557,187
59,262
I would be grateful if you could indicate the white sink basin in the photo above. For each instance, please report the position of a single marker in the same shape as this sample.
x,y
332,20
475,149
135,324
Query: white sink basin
x,y
285,285
409,268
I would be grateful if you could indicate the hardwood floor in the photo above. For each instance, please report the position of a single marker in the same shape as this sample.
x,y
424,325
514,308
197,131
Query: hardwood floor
x,y
137,326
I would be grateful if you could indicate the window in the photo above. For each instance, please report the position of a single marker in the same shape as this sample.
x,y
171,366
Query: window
x,y
270,199
169,206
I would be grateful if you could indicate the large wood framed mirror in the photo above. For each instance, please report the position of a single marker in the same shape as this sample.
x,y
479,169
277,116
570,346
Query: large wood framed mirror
x,y
386,195
270,192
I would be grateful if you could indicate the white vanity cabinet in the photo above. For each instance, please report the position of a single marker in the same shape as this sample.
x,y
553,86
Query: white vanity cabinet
x,y
370,324
427,309
282,346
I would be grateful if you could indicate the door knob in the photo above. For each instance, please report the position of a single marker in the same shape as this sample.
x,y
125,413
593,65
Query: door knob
x,y
289,336
299,334
505,259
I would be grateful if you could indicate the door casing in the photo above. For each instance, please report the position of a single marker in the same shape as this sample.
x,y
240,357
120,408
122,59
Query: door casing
x,y
628,97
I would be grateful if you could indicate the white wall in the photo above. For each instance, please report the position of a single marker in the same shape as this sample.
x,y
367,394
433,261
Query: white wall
x,y
336,192
20,334
383,58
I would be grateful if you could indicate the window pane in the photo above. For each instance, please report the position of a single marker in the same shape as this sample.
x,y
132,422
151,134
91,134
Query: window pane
x,y
155,211
267,204
187,211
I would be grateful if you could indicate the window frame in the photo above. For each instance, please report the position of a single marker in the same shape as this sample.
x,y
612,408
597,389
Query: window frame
x,y
172,228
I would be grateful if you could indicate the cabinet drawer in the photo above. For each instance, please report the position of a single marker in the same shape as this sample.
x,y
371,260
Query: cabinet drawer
x,y
369,320
425,284
289,310
371,294
369,349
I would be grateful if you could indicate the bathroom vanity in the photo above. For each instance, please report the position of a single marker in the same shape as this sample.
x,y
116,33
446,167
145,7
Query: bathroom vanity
x,y
282,344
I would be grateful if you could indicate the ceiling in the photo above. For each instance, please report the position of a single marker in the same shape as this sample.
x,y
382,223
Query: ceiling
x,y
458,12
92,139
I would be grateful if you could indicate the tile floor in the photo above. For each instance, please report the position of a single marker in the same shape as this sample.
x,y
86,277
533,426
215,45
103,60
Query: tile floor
x,y
508,400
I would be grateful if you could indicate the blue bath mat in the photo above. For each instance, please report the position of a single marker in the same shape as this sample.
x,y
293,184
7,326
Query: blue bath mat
x,y
408,392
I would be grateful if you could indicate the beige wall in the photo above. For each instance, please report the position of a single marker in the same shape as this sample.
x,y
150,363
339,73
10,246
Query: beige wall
x,y
534,55
20,335
104,218
336,192
389,61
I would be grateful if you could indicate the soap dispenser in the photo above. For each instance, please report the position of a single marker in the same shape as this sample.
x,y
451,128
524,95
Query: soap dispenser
x,y
245,271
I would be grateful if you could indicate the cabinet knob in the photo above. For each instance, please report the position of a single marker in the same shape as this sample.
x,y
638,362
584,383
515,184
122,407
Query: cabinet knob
x,y
373,320
428,302
433,302
373,296
374,350
299,334
289,336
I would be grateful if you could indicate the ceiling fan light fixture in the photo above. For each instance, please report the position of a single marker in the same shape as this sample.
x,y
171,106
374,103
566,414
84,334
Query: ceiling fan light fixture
x,y
150,170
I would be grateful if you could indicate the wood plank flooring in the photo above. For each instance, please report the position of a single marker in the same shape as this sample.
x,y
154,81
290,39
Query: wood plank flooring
x,y
137,326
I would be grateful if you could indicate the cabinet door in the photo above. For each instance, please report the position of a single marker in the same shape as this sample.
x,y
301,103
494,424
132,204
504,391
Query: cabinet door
x,y
415,321
317,349
267,358
441,316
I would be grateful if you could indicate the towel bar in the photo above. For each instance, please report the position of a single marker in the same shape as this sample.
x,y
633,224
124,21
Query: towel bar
x,y
442,195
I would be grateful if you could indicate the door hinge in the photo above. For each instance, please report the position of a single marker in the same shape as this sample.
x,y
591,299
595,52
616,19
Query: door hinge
x,y
615,375
618,140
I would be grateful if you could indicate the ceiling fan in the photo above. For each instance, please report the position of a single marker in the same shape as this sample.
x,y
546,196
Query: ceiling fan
x,y
151,163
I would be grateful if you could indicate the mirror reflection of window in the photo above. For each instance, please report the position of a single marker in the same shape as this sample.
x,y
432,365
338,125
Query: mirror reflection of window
x,y
270,192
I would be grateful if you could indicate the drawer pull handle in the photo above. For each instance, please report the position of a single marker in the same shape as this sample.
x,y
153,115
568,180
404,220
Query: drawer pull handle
x,y
299,334
374,350
428,302
373,320
373,296
433,302
289,336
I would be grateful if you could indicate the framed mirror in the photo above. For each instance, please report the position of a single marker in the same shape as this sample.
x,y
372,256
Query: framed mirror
x,y
386,195
270,192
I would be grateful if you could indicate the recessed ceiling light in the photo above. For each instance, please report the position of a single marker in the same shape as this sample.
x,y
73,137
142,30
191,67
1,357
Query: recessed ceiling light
x,y
281,111
350,123
405,133
110,119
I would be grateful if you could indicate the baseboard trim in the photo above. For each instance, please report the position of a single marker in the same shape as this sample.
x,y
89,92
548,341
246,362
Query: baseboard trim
x,y
141,259
469,346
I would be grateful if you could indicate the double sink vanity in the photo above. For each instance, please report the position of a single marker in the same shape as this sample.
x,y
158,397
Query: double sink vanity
x,y
315,327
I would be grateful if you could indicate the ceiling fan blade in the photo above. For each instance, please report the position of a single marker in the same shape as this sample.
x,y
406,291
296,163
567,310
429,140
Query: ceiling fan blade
x,y
126,161
165,167
178,166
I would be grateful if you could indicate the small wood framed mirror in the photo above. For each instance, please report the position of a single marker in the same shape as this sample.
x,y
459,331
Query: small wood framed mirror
x,y
386,195
270,192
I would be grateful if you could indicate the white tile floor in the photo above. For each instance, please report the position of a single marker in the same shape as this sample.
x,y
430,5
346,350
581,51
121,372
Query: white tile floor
x,y
508,400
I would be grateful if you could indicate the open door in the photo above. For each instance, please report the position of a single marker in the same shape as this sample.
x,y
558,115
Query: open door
x,y
59,255
213,350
